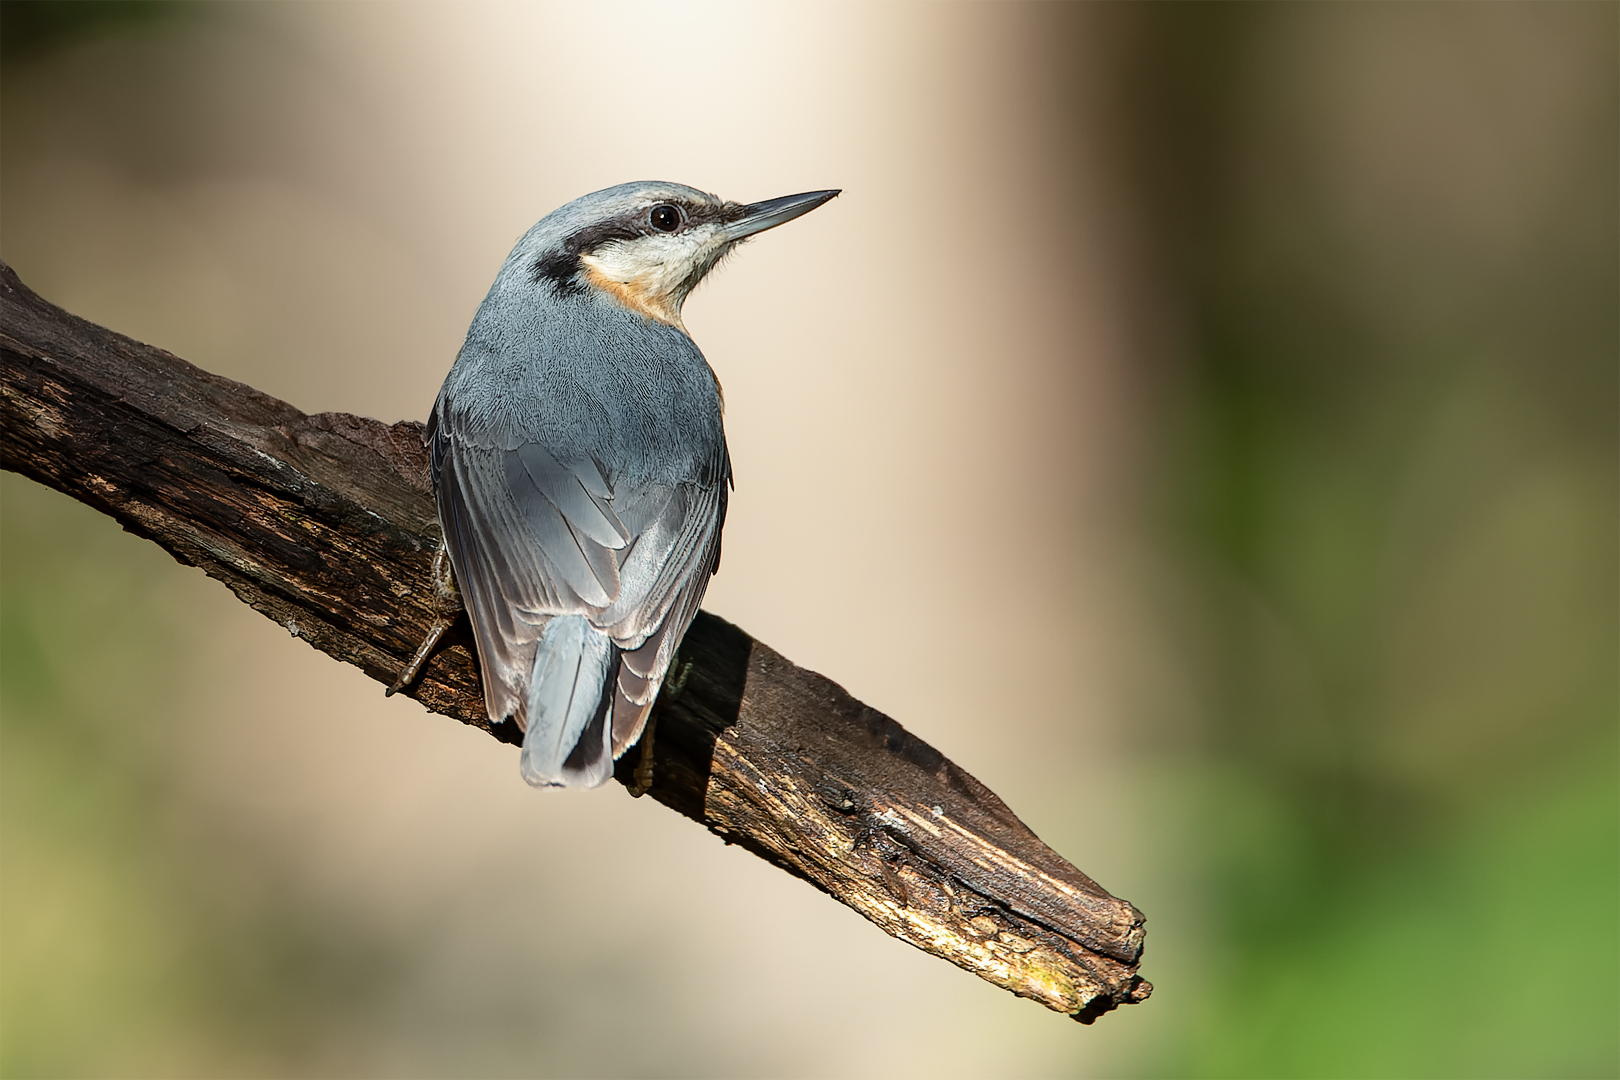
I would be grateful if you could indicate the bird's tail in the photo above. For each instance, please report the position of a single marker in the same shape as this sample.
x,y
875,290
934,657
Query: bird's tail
x,y
569,738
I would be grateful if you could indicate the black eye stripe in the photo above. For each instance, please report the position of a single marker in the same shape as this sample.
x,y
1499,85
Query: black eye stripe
x,y
559,266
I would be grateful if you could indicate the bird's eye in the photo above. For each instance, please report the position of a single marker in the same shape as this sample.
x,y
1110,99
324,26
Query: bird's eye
x,y
665,218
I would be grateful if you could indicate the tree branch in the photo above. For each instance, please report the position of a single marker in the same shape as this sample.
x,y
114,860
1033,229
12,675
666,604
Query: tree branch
x,y
326,524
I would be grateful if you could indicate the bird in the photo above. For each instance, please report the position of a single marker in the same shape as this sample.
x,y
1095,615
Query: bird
x,y
580,467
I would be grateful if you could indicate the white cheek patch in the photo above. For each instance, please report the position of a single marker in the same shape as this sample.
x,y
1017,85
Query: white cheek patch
x,y
654,273
656,263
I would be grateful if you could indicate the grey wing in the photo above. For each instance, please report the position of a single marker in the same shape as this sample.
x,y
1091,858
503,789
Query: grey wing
x,y
531,537
664,576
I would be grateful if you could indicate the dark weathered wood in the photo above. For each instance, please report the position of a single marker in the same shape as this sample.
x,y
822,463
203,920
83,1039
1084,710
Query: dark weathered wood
x,y
326,524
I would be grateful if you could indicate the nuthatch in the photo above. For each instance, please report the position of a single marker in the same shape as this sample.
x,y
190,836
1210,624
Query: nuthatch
x,y
581,469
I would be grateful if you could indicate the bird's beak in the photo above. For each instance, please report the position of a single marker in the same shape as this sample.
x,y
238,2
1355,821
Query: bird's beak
x,y
757,217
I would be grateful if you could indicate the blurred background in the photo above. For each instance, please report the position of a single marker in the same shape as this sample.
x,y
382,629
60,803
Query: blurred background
x,y
1197,421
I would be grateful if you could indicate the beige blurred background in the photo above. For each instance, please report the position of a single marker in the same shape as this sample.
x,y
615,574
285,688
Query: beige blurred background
x,y
1199,425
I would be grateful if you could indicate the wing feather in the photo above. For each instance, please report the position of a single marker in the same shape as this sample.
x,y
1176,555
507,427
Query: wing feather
x,y
532,537
505,654
569,490
659,623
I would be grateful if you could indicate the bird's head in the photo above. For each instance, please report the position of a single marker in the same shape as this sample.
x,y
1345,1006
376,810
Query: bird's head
x,y
646,244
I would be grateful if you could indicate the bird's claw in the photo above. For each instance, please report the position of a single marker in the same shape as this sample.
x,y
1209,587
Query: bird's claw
x,y
644,767
672,691
414,668
447,602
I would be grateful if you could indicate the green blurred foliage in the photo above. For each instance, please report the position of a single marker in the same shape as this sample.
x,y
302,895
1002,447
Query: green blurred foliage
x,y
140,938
1391,485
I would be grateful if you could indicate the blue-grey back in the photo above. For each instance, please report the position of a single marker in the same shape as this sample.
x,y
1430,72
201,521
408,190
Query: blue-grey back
x,y
578,373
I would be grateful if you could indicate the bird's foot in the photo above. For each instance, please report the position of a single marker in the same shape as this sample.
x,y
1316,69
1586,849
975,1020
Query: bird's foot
x,y
414,668
644,767
447,605
672,691
677,685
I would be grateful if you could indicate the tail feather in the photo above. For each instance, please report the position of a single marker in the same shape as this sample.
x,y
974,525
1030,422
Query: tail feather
x,y
570,697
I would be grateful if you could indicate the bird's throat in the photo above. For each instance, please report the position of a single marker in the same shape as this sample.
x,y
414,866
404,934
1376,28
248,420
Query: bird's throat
x,y
645,294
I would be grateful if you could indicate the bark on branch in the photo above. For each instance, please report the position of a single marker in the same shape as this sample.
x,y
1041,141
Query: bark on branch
x,y
326,524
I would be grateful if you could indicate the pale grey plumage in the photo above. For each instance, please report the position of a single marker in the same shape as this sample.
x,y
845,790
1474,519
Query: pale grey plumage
x,y
581,470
